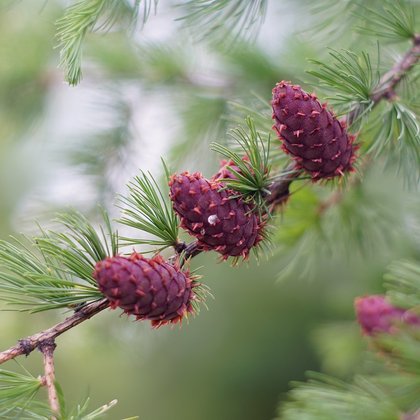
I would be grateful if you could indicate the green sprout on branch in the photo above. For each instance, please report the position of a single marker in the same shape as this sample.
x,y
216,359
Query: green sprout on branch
x,y
351,79
252,179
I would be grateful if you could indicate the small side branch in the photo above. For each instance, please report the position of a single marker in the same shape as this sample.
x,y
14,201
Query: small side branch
x,y
279,190
47,348
27,345
192,249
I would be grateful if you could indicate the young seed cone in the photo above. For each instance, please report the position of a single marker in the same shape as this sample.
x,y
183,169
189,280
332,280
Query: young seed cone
x,y
150,289
311,133
376,314
214,216
225,170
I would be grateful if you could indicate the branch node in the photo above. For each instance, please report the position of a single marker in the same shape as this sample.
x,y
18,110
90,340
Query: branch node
x,y
179,247
27,346
42,380
47,346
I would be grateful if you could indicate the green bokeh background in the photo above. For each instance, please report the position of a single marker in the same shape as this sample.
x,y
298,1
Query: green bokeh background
x,y
235,360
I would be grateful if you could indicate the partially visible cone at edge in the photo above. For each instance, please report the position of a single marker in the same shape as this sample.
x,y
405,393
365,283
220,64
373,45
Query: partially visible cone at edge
x,y
376,314
219,221
318,141
150,289
225,170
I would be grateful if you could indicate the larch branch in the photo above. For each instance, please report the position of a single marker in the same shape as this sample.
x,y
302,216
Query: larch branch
x,y
28,344
390,80
279,192
384,91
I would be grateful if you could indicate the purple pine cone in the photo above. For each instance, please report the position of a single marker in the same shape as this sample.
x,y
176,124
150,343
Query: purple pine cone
x,y
376,314
150,289
311,133
219,220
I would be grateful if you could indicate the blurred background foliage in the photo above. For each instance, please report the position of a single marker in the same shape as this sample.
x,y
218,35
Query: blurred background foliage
x,y
170,88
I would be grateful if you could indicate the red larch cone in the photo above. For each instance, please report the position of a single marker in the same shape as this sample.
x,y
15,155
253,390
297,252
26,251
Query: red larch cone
x,y
376,314
150,289
219,221
311,133
225,170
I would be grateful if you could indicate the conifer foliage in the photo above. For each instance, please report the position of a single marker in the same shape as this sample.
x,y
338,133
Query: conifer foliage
x,y
86,268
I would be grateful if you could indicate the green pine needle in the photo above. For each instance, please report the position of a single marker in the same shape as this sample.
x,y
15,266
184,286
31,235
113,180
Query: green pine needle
x,y
202,293
85,16
80,247
326,18
252,179
402,350
257,109
260,111
403,283
394,21
17,392
323,398
395,133
80,412
366,220
350,78
265,246
224,21
148,210
54,270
